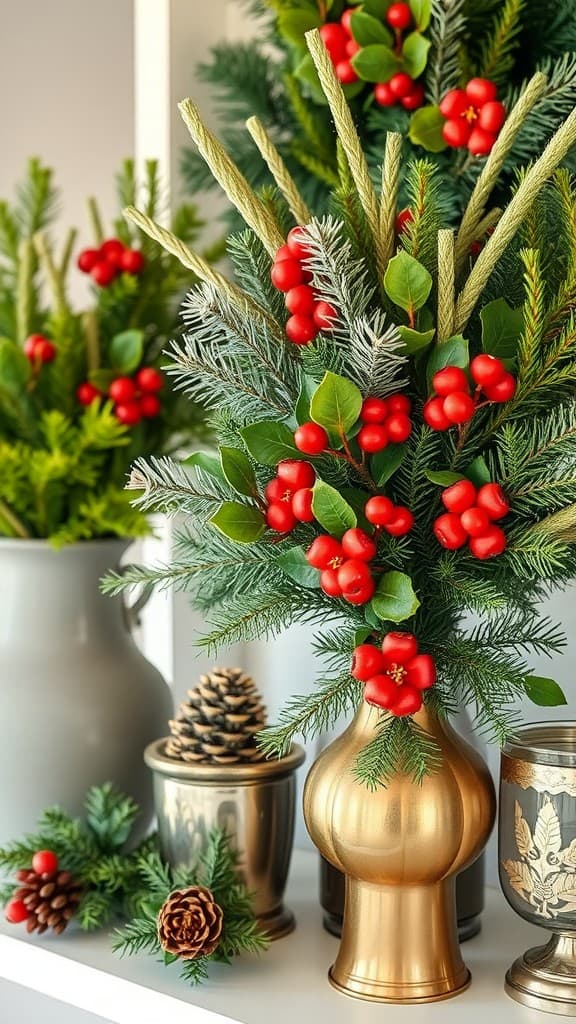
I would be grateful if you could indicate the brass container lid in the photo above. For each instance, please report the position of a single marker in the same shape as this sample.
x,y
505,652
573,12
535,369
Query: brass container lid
x,y
257,771
551,743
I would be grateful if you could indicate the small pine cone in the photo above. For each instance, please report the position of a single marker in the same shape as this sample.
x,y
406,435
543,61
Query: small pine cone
x,y
190,923
51,898
219,721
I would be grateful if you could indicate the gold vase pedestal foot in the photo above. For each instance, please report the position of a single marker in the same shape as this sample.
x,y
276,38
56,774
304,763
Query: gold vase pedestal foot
x,y
544,978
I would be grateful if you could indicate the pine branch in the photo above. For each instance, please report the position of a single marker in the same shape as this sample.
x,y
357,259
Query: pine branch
x,y
447,28
110,815
503,39
398,746
311,715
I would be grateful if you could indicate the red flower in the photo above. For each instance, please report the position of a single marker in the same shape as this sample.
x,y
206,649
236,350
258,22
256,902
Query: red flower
x,y
474,116
405,674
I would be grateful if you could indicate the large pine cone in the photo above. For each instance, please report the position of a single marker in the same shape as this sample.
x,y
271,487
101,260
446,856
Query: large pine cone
x,y
218,722
52,899
190,923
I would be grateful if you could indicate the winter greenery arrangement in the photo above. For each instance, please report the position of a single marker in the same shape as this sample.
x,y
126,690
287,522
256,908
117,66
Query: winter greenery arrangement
x,y
397,434
399,64
81,394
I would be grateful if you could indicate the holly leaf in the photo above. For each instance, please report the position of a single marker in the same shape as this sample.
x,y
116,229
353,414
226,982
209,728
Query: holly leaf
x,y
126,351
207,462
395,599
407,282
453,352
546,693
415,341
477,471
294,565
294,23
376,63
239,522
425,129
269,442
366,30
421,12
415,54
501,329
384,464
444,478
331,510
336,404
238,471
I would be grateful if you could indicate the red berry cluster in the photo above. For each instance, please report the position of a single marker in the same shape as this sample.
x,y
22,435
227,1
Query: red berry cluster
x,y
134,397
39,349
384,514
44,862
452,403
385,421
289,495
109,260
401,89
470,519
474,116
309,315
343,564
394,675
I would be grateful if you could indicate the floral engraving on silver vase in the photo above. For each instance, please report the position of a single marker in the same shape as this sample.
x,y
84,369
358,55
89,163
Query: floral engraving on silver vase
x,y
545,874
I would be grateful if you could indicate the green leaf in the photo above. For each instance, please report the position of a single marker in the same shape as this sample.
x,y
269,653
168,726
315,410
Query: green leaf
x,y
357,500
371,617
478,472
501,328
375,63
239,522
453,352
361,635
544,692
366,30
421,12
126,351
237,469
407,282
377,8
170,958
14,368
270,442
426,127
415,54
294,23
444,478
293,563
331,510
306,73
395,600
336,404
303,414
414,341
207,462
384,464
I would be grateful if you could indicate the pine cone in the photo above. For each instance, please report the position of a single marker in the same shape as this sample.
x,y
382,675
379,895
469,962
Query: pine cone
x,y
52,899
218,722
190,923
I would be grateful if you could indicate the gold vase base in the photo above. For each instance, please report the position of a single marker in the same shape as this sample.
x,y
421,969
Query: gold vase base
x,y
545,979
402,995
277,924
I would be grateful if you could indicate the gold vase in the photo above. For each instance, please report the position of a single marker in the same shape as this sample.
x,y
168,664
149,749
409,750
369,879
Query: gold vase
x,y
400,848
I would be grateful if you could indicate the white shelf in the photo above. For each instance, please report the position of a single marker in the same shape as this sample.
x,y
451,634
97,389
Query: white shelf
x,y
284,985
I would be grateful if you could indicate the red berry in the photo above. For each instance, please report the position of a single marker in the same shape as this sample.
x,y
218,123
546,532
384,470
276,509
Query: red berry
x,y
374,410
123,389
300,300
45,351
280,517
399,16
301,330
399,403
296,243
481,142
362,594
132,261
491,543
398,648
103,273
491,116
459,407
367,661
487,370
302,505
112,250
399,427
345,73
408,701
450,379
86,393
401,523
449,531
373,438
129,413
456,133
414,99
150,406
324,316
379,510
475,521
454,104
329,583
352,48
357,544
295,474
334,37
311,439
325,552
16,912
480,91
346,20
459,496
384,96
401,84
30,345
493,501
283,253
44,862
149,380
86,260
381,691
434,415
275,490
286,275
503,391
354,577
404,218
421,672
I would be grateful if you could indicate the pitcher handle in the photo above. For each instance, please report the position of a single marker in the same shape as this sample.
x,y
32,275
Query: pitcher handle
x,y
132,611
